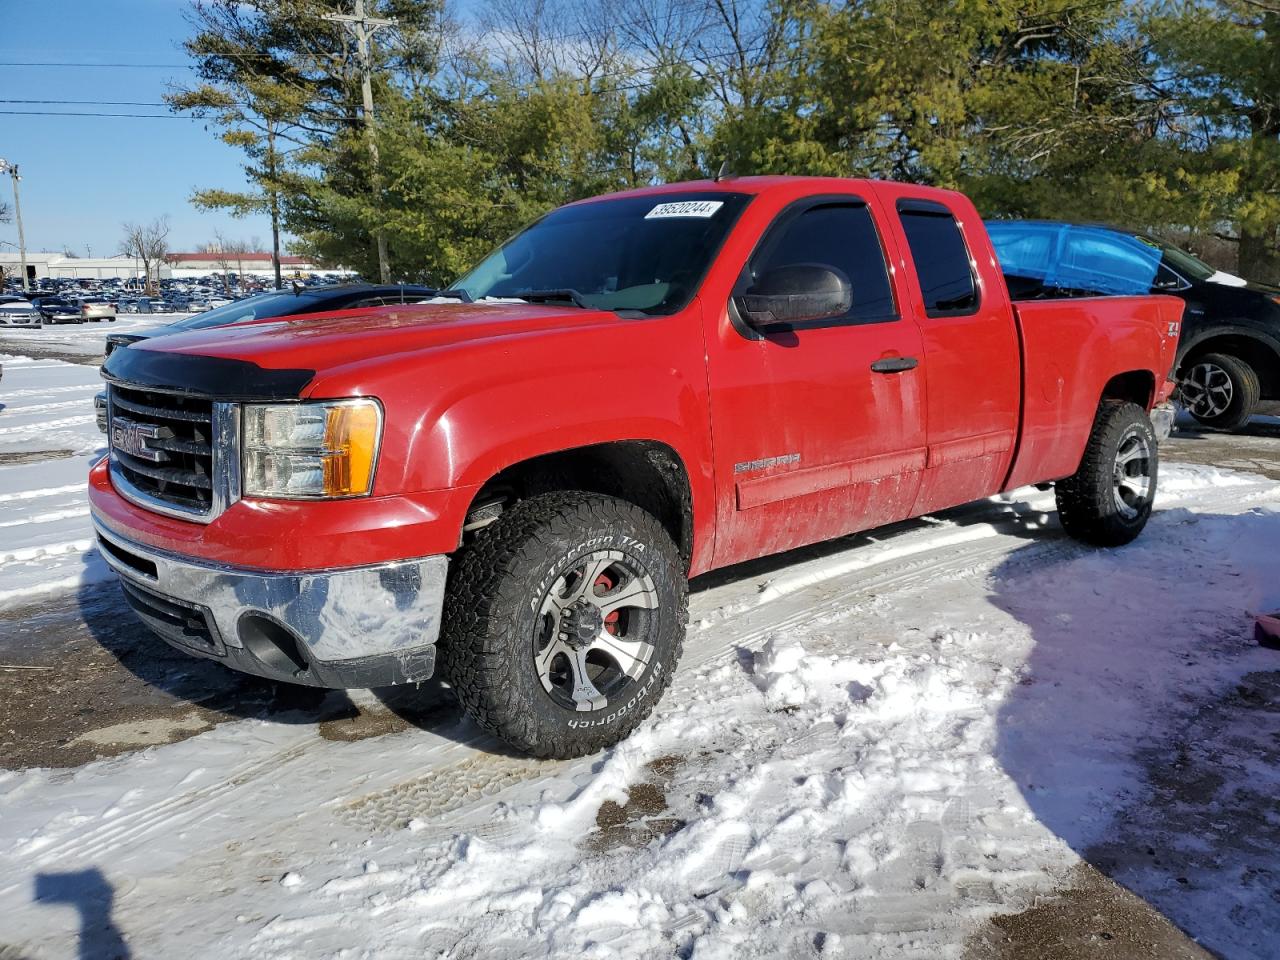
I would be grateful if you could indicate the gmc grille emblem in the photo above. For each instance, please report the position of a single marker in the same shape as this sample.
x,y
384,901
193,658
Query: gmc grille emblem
x,y
129,436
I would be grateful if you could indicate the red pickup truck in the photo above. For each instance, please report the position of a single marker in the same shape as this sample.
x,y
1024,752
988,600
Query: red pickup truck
x,y
519,477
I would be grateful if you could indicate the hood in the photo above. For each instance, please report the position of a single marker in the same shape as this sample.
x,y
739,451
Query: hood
x,y
1226,279
302,347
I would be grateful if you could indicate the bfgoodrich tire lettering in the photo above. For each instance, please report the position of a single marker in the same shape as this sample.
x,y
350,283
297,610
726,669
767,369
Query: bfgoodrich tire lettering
x,y
564,621
1108,500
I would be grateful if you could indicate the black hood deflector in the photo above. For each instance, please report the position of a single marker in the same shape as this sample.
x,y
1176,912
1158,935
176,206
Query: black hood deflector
x,y
217,378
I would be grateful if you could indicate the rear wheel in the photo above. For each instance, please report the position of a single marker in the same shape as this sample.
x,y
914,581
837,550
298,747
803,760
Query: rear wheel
x,y
564,621
1108,500
1220,391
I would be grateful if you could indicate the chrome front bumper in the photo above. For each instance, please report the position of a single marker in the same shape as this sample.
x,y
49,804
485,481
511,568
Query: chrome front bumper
x,y
354,627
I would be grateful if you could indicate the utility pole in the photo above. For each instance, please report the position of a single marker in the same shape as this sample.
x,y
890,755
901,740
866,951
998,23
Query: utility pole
x,y
363,28
274,197
12,169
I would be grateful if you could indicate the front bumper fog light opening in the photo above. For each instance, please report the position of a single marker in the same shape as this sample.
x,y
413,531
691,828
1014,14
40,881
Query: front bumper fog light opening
x,y
272,644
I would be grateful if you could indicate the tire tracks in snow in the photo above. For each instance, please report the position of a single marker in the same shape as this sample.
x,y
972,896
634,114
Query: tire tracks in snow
x,y
41,427
731,616
20,410
45,391
38,494
143,822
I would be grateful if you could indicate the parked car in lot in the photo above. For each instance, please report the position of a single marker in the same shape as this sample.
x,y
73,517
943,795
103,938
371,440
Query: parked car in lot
x,y
57,310
284,303
16,312
514,486
269,306
1229,355
97,308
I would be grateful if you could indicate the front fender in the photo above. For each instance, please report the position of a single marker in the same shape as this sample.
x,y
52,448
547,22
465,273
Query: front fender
x,y
1202,336
457,416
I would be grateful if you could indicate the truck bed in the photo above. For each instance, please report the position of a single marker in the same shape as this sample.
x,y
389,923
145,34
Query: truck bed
x,y
1064,345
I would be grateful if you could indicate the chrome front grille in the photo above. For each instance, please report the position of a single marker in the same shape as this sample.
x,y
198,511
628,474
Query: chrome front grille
x,y
173,453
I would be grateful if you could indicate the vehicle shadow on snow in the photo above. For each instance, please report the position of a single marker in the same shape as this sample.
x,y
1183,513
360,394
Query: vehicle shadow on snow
x,y
224,694
1145,731
200,682
1011,517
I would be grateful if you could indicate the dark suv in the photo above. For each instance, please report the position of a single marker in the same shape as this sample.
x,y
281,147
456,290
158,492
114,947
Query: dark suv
x,y
1229,351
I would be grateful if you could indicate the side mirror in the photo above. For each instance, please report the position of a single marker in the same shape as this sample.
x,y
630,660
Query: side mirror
x,y
796,293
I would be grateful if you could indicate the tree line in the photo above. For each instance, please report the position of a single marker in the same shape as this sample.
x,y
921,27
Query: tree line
x,y
1162,115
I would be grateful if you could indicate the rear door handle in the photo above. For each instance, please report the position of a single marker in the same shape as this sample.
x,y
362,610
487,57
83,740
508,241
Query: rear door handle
x,y
895,364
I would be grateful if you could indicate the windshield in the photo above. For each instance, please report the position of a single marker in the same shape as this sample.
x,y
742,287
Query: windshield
x,y
263,306
1189,265
644,254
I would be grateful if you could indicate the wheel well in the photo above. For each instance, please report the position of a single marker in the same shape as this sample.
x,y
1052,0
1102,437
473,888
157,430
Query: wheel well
x,y
649,474
1136,386
1258,355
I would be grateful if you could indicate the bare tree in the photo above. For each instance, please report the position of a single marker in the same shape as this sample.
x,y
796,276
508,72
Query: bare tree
x,y
148,243
5,213
222,252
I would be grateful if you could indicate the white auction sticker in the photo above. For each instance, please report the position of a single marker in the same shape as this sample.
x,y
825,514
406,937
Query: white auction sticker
x,y
685,208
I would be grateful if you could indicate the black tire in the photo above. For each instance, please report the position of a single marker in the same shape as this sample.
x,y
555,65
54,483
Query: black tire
x,y
1237,378
500,648
1094,505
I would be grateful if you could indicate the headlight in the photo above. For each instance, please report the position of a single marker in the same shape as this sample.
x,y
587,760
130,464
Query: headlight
x,y
301,450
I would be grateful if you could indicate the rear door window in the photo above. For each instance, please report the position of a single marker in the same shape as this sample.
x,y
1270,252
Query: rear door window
x,y
941,258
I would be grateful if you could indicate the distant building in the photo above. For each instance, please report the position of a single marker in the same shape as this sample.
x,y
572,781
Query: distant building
x,y
59,265
177,265
251,264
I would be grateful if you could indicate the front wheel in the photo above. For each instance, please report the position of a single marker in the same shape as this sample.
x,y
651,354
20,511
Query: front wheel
x,y
1220,391
1108,500
564,621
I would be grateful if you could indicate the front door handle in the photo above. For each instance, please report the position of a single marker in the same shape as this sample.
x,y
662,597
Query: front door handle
x,y
895,364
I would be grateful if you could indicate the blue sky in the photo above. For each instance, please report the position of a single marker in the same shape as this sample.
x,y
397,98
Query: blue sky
x,y
83,176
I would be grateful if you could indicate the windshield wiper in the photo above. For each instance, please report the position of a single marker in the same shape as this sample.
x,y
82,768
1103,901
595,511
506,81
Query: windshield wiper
x,y
566,294
458,294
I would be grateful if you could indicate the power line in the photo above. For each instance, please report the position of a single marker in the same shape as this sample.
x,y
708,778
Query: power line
x,y
94,103
86,113
112,66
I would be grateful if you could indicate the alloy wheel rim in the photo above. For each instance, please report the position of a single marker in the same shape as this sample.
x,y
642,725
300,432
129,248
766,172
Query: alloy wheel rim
x,y
1131,474
1208,390
595,631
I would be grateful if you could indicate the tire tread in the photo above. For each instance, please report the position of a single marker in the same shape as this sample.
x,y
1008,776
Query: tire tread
x,y
1085,507
481,606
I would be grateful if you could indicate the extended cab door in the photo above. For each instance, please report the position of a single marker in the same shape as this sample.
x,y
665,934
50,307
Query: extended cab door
x,y
972,358
818,427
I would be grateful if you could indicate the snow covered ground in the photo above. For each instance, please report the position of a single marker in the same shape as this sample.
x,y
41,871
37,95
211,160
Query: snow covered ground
x,y
81,341
872,749
48,438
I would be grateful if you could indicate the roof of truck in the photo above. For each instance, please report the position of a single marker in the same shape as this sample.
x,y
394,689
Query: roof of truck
x,y
766,184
